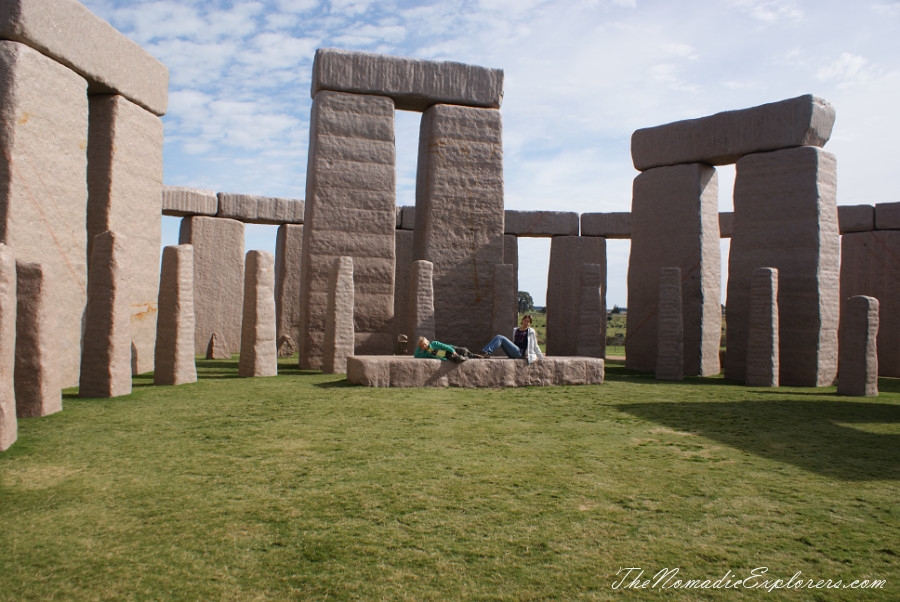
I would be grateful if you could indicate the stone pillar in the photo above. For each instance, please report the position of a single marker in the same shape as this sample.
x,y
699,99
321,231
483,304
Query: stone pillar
x,y
511,256
288,254
38,392
858,368
125,178
421,301
218,278
174,351
350,211
762,338
339,331
675,222
106,346
785,217
592,312
567,256
259,353
8,421
504,299
43,198
404,258
459,217
670,326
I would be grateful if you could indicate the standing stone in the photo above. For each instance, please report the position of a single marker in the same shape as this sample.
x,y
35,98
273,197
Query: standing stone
x,y
174,351
339,335
511,256
218,348
43,198
8,421
504,299
675,222
785,217
459,217
125,174
568,255
106,347
218,278
259,353
403,253
670,329
38,392
350,211
762,338
288,259
858,367
421,301
592,309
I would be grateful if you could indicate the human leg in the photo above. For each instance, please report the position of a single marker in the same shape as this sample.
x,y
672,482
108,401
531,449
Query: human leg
x,y
501,341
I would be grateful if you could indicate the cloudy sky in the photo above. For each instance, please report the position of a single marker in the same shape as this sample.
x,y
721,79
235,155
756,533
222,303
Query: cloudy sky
x,y
580,77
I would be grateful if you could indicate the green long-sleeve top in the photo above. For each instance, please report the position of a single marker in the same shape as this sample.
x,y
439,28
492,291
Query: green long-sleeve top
x,y
436,350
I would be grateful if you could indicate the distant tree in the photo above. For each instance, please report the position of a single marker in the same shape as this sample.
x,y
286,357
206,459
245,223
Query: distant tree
x,y
616,310
526,303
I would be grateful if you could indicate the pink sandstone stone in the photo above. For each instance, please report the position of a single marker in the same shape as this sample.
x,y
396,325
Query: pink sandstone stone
x,y
592,312
858,367
762,337
288,259
38,392
421,301
568,254
180,201
8,421
174,350
339,334
259,352
670,326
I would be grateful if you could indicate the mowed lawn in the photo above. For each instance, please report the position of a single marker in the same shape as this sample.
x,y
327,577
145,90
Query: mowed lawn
x,y
301,487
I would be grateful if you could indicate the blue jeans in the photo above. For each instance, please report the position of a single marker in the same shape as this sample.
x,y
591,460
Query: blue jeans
x,y
508,346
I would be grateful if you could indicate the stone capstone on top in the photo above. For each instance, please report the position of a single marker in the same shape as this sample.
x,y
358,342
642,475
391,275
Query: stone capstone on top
x,y
179,201
259,209
608,225
541,223
887,216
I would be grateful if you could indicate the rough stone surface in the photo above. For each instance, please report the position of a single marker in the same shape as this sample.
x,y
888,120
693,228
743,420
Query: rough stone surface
x,y
670,327
568,254
179,201
174,350
858,366
459,217
421,301
287,347
785,217
69,33
511,256
725,137
8,421
339,335
259,352
350,211
260,209
615,225
726,224
887,216
408,218
125,173
592,312
403,252
218,278
856,218
541,223
218,348
288,259
413,84
37,388
870,265
407,371
43,130
675,223
762,336
505,298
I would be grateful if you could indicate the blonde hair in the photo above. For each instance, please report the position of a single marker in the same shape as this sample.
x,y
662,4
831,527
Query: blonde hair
x,y
420,341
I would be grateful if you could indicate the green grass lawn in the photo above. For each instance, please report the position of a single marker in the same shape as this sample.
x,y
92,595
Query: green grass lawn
x,y
301,487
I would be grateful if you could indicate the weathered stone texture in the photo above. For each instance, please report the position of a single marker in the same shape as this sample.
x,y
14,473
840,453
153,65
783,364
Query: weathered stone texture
x,y
286,346
350,211
670,327
616,225
260,209
174,352
511,256
70,34
421,301
413,84
43,184
785,217
218,278
259,352
762,335
288,259
180,201
887,216
723,138
675,223
592,312
459,217
339,335
403,252
505,298
726,224
408,218
541,223
217,348
37,387
856,218
8,421
568,254
858,367
106,346
125,173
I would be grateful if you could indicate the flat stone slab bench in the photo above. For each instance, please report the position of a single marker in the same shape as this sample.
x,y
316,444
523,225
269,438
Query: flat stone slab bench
x,y
407,371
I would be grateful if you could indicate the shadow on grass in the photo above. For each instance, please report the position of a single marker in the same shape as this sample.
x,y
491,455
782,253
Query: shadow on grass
x,y
335,384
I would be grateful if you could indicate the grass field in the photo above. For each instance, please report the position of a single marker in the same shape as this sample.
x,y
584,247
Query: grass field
x,y
301,487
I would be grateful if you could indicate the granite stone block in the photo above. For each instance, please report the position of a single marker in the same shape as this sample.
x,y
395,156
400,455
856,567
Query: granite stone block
x,y
288,261
174,352
259,352
180,201
592,312
408,218
726,224
887,216
670,327
616,225
36,375
539,224
253,209
505,296
511,256
568,255
762,336
8,422
856,218
421,301
339,334
858,366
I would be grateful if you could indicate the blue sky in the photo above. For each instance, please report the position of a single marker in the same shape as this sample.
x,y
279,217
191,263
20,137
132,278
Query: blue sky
x,y
580,77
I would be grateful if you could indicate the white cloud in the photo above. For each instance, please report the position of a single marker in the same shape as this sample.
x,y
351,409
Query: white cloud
x,y
769,10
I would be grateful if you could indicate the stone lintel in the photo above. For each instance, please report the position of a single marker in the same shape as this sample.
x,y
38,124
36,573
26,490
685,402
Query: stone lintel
x,y
856,218
252,209
887,216
616,225
541,223
179,201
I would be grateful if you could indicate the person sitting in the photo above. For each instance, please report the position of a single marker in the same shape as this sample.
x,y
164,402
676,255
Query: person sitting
x,y
523,345
441,351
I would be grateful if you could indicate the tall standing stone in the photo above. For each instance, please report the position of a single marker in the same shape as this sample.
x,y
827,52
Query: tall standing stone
x,y
592,311
8,421
459,216
421,300
350,211
504,298
858,367
670,326
339,335
568,255
259,353
38,392
404,258
288,259
762,338
675,223
785,217
511,256
174,363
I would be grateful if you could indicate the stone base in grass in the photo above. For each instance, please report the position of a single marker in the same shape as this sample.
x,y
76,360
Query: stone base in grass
x,y
407,371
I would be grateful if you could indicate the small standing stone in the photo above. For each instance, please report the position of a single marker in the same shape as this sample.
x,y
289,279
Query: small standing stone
x,y
592,320
421,300
762,337
37,385
858,365
259,354
174,353
8,422
217,349
339,330
670,330
286,346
